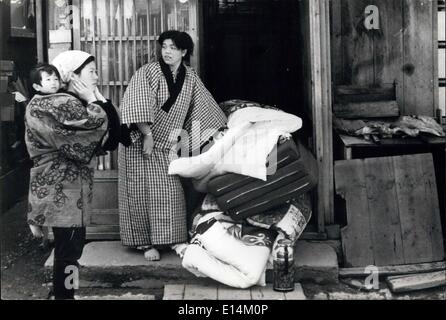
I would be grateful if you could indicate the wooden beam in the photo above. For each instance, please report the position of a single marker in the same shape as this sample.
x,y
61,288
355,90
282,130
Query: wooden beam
x,y
321,108
417,281
76,25
373,109
418,63
394,270
40,31
328,127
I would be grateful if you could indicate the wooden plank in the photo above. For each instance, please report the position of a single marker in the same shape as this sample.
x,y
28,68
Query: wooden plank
x,y
173,292
228,293
358,110
134,27
436,55
122,51
320,105
77,25
385,89
366,97
107,48
93,29
431,207
345,94
389,48
384,216
115,40
40,32
351,141
416,221
99,58
394,270
105,194
141,53
297,294
149,34
109,175
388,44
104,219
358,44
356,238
417,282
200,292
266,293
99,233
103,236
418,64
329,214
336,42
105,211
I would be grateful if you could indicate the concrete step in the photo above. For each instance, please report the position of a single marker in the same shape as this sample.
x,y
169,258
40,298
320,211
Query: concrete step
x,y
111,263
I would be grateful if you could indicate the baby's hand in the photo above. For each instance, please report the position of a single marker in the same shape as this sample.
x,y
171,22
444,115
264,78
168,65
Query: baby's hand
x,y
36,231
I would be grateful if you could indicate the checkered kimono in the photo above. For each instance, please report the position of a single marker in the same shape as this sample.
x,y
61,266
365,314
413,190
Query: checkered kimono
x,y
151,203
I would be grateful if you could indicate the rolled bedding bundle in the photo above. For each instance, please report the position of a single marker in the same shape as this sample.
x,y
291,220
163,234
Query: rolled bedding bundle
x,y
238,262
242,197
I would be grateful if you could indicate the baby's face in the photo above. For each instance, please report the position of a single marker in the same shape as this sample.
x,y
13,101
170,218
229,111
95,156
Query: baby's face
x,y
50,83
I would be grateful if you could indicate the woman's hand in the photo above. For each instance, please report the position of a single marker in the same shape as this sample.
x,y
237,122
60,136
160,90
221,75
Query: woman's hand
x,y
82,90
98,95
36,231
147,146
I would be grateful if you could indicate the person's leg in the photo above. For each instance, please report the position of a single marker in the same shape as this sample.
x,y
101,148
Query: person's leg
x,y
69,244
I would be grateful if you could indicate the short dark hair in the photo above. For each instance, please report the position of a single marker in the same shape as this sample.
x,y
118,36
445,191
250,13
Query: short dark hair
x,y
182,40
35,76
83,65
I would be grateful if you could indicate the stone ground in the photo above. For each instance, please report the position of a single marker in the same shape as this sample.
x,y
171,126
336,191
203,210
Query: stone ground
x,y
23,274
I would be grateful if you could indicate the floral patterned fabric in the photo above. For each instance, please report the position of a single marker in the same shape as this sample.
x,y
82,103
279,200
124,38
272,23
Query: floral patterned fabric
x,y
62,136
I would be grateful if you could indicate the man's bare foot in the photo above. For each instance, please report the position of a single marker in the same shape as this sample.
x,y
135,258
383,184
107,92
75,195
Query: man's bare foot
x,y
152,254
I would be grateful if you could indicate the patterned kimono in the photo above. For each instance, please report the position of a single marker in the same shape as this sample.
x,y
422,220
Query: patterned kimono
x,y
62,136
151,203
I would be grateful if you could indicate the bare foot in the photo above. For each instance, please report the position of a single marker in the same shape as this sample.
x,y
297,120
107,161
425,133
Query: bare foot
x,y
152,254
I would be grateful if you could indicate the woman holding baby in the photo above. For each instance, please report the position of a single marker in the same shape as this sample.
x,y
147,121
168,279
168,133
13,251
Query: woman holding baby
x,y
65,129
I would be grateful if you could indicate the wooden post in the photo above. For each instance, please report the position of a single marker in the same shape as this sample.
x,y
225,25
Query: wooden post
x,y
77,25
321,108
134,27
39,31
194,32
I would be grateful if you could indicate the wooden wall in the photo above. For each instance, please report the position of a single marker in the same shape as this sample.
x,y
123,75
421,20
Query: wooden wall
x,y
402,51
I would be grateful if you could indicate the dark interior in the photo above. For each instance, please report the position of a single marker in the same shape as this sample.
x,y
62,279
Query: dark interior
x,y
252,51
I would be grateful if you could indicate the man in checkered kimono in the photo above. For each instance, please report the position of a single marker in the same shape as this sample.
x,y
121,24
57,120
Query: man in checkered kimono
x,y
162,99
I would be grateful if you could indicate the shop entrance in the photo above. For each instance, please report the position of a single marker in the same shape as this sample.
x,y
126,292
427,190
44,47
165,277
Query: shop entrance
x,y
252,51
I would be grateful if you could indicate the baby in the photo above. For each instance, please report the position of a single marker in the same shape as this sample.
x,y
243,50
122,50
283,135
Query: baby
x,y
45,78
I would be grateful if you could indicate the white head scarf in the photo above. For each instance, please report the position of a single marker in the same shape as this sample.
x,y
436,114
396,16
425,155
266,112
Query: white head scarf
x,y
69,61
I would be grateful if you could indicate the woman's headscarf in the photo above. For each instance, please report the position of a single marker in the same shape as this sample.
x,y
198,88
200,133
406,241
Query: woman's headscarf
x,y
69,61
